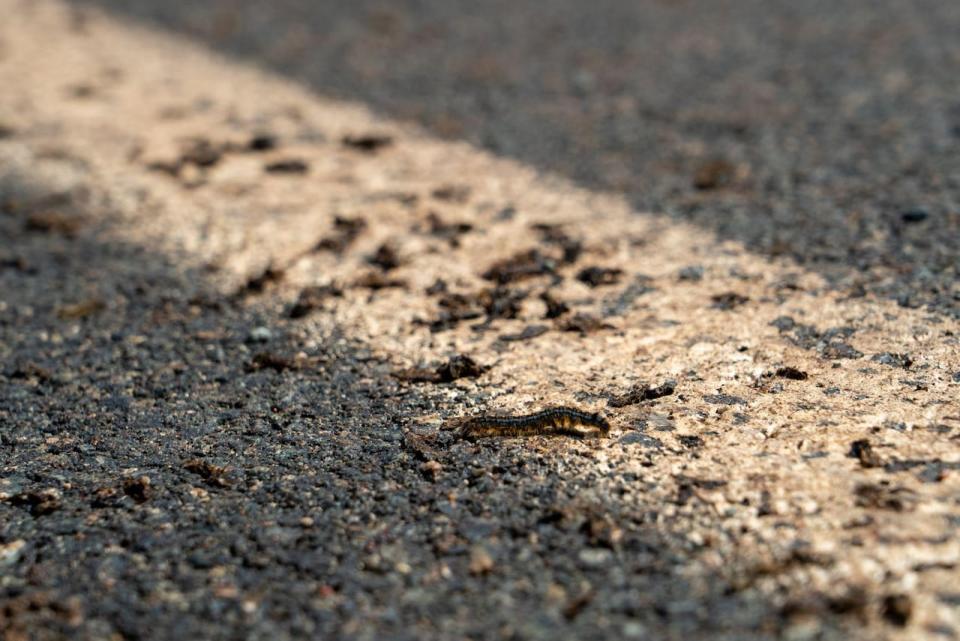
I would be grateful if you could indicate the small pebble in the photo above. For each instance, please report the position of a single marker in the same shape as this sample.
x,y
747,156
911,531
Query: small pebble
x,y
10,552
914,216
260,335
431,470
693,273
480,561
594,557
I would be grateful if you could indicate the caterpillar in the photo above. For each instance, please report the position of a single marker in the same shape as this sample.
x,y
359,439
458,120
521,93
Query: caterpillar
x,y
556,421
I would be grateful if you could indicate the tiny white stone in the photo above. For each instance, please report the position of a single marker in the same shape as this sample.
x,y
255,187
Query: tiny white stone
x,y
594,557
10,552
260,334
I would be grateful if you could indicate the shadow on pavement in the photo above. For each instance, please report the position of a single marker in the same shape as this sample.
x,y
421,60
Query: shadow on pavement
x,y
155,485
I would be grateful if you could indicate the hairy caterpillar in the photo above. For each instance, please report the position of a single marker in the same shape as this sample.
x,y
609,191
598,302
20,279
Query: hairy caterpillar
x,y
557,421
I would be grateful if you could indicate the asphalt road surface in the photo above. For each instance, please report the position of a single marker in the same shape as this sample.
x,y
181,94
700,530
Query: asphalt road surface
x,y
259,260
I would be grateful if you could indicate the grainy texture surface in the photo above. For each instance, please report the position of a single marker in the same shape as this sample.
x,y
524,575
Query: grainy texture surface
x,y
245,282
